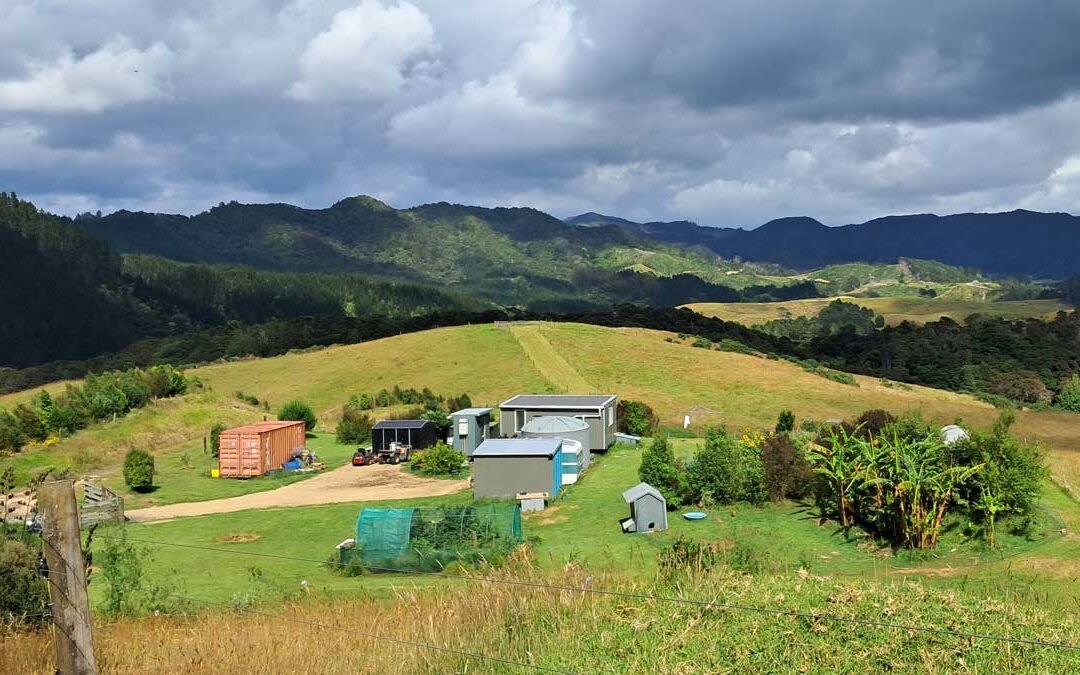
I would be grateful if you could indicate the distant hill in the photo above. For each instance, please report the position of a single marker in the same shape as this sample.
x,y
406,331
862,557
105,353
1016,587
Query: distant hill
x,y
1018,243
517,257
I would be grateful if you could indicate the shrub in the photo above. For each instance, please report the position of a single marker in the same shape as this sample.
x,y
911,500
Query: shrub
x,y
23,592
164,381
30,423
1069,398
659,469
787,473
1023,386
298,411
362,401
636,418
729,345
702,343
355,426
215,438
785,422
12,438
383,399
127,591
872,422
247,398
726,471
438,460
139,470
440,419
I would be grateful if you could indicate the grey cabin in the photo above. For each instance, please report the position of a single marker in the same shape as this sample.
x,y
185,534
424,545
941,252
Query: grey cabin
x,y
469,428
597,411
648,509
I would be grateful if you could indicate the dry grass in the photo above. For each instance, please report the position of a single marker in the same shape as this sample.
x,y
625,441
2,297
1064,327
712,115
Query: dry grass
x,y
572,632
895,309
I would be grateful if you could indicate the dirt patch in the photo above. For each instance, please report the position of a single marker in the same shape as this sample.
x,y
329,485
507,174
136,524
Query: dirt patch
x,y
550,516
237,538
346,484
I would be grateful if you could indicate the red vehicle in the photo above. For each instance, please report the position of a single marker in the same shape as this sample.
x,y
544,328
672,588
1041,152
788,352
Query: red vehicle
x,y
363,457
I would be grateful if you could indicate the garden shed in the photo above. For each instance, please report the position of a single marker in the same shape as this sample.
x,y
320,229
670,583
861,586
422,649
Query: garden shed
x,y
418,434
504,467
596,411
648,509
254,449
469,428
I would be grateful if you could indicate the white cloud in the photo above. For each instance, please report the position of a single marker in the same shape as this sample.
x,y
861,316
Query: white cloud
x,y
366,53
115,74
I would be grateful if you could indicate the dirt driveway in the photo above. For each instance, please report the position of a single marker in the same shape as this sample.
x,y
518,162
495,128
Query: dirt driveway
x,y
346,484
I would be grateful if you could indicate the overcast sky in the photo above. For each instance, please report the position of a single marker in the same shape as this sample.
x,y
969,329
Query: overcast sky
x,y
727,113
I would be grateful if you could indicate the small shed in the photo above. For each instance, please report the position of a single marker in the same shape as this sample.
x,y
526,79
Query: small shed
x,y
470,427
648,509
532,501
564,427
418,434
953,433
254,449
504,467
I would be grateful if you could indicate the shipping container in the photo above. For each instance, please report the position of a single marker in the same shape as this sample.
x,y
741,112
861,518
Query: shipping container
x,y
254,449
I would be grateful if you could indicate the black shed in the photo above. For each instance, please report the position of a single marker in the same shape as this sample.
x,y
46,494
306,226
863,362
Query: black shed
x,y
419,434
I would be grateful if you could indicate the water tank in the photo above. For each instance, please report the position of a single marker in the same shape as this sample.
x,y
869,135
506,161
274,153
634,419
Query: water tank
x,y
558,426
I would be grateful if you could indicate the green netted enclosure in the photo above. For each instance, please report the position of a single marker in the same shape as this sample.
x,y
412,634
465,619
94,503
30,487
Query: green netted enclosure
x,y
429,538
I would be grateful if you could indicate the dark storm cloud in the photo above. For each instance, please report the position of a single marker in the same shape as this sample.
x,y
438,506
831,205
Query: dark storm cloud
x,y
729,113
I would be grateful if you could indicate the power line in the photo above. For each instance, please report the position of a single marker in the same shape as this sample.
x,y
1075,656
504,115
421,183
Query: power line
x,y
376,636
708,604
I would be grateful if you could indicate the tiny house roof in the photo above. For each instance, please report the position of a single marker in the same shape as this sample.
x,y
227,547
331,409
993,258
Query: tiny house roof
x,y
590,402
259,427
640,490
518,447
471,412
402,424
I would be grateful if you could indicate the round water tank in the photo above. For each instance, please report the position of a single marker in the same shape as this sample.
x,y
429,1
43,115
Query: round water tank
x,y
558,426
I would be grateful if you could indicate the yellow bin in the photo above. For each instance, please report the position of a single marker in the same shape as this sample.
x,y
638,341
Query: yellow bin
x,y
215,473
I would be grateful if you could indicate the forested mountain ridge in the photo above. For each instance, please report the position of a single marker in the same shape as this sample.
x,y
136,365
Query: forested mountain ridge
x,y
1016,243
65,295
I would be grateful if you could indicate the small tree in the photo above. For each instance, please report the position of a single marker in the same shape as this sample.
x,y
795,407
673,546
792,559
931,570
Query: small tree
x,y
1069,398
23,592
441,421
786,422
12,438
298,411
660,470
636,418
215,438
139,470
355,425
787,473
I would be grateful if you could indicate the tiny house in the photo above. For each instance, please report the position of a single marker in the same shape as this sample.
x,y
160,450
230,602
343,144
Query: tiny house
x,y
469,428
597,412
254,449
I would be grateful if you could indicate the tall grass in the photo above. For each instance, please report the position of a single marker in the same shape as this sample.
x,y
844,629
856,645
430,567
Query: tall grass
x,y
588,633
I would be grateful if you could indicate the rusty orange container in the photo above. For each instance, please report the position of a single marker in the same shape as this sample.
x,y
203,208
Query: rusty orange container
x,y
254,449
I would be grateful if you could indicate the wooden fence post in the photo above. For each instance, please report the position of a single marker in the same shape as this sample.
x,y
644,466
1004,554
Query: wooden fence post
x,y
72,636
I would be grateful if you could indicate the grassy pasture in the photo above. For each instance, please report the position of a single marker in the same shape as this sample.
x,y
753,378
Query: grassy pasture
x,y
490,364
895,309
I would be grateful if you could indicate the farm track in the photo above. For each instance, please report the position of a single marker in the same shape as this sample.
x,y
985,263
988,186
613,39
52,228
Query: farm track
x,y
345,484
549,362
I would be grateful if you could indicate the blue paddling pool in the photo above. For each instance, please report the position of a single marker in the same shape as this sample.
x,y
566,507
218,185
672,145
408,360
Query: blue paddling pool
x,y
694,515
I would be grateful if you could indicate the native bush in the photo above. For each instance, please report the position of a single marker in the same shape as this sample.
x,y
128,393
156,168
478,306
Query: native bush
x,y
636,418
726,471
440,419
787,473
785,423
23,592
139,470
438,460
12,437
298,411
362,401
1069,398
215,438
355,425
660,469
